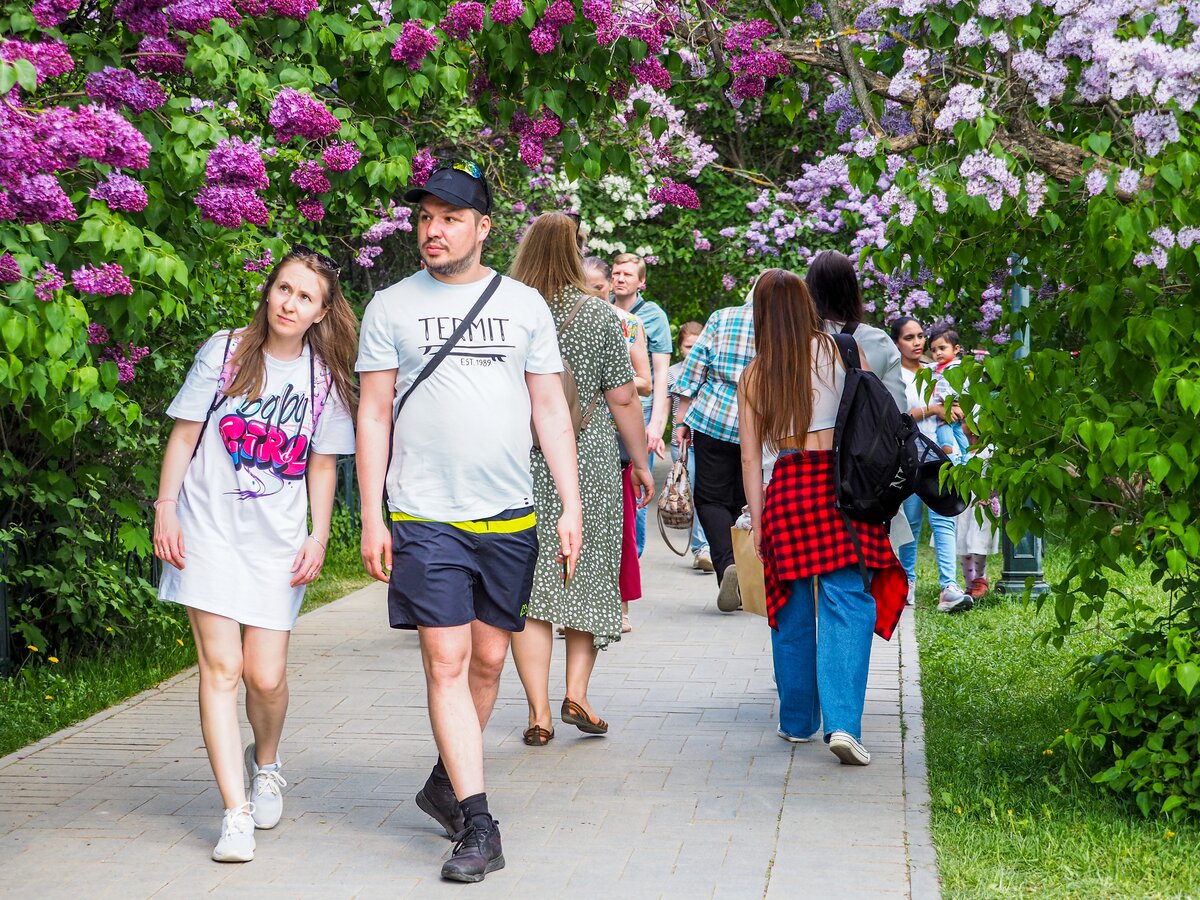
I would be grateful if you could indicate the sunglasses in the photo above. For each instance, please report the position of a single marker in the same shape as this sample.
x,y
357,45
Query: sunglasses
x,y
324,259
462,165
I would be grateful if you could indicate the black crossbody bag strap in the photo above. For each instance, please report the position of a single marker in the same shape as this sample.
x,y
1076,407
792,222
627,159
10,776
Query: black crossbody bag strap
x,y
433,363
218,397
848,347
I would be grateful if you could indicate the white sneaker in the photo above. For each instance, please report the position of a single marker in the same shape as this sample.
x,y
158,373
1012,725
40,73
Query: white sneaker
x,y
791,738
912,594
729,597
266,790
702,560
848,750
237,836
953,599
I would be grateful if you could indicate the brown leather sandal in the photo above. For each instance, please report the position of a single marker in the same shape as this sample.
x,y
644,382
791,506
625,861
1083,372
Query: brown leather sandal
x,y
574,714
537,736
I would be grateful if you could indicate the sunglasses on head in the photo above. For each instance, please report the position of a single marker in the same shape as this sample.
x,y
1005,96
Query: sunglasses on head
x,y
461,165
324,259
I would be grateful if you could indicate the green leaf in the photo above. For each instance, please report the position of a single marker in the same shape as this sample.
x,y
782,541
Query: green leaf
x,y
1099,143
1160,467
8,77
1187,674
13,331
984,129
26,74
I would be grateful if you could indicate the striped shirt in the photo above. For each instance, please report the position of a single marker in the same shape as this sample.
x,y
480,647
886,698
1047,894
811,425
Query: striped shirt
x,y
711,372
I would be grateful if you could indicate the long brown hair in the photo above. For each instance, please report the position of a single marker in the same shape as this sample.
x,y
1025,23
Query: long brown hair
x,y
334,338
778,382
548,259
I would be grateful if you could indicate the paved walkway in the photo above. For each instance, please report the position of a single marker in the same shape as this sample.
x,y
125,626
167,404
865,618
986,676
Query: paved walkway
x,y
690,795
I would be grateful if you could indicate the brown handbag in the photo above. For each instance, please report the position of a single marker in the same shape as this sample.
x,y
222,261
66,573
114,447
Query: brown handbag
x,y
675,506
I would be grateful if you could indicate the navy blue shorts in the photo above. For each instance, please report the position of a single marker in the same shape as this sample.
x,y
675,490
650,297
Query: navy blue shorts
x,y
452,574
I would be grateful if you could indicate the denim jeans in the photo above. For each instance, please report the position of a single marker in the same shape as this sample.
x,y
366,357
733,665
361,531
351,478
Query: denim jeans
x,y
699,541
945,542
821,673
952,435
639,522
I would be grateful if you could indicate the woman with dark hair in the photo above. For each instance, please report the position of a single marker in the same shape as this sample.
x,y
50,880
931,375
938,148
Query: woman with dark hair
x,y
587,601
833,285
231,518
909,338
789,397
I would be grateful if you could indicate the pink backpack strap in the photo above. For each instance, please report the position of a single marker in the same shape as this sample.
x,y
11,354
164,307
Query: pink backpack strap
x,y
322,389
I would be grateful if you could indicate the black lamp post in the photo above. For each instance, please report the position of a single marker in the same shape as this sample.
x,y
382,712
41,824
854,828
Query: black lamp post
x,y
1022,560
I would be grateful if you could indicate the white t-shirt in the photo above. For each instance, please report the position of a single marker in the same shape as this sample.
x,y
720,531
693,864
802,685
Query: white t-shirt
x,y
912,396
243,506
460,447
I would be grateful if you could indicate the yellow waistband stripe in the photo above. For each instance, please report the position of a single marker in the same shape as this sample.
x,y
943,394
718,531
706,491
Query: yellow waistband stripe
x,y
478,526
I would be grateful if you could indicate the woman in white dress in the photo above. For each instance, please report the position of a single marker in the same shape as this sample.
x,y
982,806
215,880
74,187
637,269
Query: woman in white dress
x,y
258,423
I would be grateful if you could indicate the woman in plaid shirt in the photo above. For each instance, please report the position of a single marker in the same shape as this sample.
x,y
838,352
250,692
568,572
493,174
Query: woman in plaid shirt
x,y
788,397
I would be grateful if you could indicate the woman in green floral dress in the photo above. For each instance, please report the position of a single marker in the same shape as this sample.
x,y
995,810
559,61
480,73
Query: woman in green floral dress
x,y
589,605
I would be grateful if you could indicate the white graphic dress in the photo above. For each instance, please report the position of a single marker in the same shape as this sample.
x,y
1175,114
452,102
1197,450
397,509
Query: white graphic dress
x,y
243,507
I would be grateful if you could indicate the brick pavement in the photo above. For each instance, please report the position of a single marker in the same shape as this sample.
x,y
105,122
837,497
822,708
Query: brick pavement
x,y
691,794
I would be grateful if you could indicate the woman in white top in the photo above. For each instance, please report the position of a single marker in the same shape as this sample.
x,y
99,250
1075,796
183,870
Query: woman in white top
x,y
910,341
258,422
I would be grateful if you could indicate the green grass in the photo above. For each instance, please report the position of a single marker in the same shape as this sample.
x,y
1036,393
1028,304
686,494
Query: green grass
x,y
1005,821
44,697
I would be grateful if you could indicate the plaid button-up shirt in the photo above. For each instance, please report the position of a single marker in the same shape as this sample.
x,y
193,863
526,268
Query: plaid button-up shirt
x,y
710,375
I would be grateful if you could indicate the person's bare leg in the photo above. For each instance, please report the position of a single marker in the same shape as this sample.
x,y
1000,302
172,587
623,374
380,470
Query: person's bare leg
x,y
453,713
581,659
532,650
264,671
219,652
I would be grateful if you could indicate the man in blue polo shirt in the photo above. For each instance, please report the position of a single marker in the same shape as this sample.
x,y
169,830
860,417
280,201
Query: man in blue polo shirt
x,y
628,279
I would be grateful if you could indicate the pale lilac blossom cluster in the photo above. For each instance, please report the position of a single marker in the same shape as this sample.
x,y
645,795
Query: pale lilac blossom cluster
x,y
105,280
964,103
700,242
987,176
1047,78
677,145
1156,130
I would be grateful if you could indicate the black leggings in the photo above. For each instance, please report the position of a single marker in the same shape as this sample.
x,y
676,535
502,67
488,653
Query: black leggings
x,y
718,493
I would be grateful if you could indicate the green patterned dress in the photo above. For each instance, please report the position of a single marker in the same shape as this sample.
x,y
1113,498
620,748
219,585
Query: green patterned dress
x,y
595,346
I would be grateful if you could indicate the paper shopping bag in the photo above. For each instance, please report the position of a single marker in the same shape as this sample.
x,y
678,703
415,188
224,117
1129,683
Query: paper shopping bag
x,y
749,573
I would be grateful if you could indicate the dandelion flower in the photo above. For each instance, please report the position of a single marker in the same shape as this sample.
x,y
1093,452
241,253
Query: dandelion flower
x,y
49,697
31,647
179,641
52,659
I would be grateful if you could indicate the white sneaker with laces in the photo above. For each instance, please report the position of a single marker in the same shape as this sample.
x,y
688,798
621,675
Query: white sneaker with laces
x,y
911,600
848,750
953,598
729,597
702,560
266,790
791,738
237,836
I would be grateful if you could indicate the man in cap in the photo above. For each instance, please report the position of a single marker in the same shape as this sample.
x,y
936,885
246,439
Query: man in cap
x,y
460,553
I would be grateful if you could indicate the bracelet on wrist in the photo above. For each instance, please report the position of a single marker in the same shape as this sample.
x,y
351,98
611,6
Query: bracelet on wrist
x,y
164,500
318,540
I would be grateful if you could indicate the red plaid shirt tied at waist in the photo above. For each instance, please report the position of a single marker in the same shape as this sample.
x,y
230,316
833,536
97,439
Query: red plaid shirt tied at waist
x,y
803,535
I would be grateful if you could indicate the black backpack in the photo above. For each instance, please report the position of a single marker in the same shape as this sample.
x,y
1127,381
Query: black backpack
x,y
874,451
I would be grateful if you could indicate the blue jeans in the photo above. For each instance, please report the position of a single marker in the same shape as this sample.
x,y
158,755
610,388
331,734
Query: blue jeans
x,y
639,522
699,541
952,435
945,542
821,673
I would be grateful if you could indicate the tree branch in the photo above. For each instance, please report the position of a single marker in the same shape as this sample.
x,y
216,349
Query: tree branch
x,y
853,70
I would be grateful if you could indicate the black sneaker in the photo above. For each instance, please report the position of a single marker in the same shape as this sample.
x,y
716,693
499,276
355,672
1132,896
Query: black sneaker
x,y
477,852
438,801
